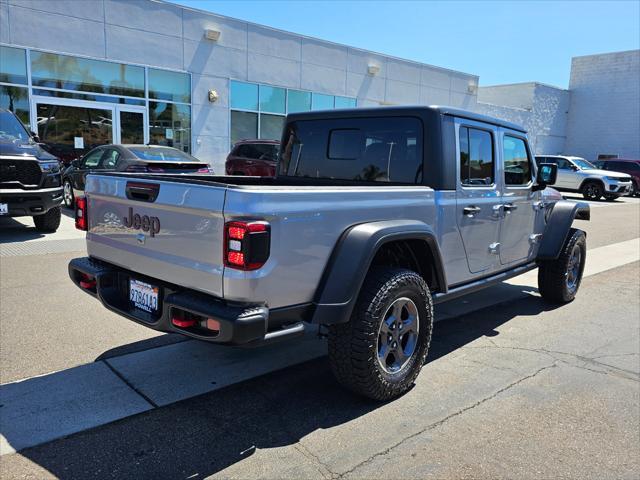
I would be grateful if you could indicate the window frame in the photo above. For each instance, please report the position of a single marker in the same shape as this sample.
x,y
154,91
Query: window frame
x,y
101,150
491,132
529,157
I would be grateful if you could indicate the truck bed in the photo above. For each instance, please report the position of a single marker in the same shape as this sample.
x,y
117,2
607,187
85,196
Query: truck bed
x,y
306,216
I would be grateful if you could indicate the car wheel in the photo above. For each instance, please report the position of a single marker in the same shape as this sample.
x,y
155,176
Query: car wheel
x,y
48,222
67,194
559,279
592,191
380,351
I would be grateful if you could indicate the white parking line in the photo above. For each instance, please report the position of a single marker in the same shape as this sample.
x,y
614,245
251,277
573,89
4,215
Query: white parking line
x,y
41,409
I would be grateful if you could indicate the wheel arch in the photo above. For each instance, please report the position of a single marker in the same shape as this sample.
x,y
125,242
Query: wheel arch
x,y
592,180
559,222
402,243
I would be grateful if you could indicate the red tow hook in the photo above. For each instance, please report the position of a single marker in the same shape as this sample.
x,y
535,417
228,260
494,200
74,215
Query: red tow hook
x,y
87,281
179,321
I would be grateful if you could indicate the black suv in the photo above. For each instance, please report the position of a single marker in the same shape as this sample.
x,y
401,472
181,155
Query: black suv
x,y
30,183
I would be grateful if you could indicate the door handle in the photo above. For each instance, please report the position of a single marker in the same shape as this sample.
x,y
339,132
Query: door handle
x,y
509,207
471,210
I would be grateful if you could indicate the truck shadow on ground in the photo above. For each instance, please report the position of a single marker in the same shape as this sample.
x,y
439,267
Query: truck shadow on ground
x,y
12,231
203,435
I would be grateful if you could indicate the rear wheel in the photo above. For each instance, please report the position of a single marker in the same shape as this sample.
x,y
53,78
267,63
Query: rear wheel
x,y
380,351
592,191
48,222
559,279
67,193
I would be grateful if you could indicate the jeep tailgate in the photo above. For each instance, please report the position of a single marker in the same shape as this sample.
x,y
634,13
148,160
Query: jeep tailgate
x,y
169,230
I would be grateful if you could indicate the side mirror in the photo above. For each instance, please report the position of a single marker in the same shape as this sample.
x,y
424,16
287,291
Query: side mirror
x,y
574,168
76,162
35,136
547,174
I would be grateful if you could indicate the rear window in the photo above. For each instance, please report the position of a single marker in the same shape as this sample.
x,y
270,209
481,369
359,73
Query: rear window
x,y
162,154
386,149
258,151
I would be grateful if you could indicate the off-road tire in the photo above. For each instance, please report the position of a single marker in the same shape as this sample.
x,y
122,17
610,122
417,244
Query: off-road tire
x,y
592,190
48,222
353,345
553,274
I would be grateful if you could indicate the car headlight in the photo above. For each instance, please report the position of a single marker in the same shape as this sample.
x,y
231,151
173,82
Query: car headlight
x,y
50,167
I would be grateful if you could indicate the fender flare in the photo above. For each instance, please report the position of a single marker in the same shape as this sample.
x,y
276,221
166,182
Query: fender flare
x,y
559,223
351,258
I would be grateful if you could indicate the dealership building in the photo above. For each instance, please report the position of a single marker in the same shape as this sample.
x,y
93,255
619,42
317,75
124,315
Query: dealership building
x,y
131,71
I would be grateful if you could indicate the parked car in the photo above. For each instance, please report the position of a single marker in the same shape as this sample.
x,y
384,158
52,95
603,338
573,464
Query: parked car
x,y
30,184
575,174
376,215
253,157
624,165
127,158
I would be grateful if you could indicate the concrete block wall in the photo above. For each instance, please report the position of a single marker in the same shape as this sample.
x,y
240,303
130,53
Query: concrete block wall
x,y
604,114
541,109
159,34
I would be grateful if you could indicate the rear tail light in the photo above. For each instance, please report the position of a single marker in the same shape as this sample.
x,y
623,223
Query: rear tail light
x,y
205,170
82,222
155,169
246,244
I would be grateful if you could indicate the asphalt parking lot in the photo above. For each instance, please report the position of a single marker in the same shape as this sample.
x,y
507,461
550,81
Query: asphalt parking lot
x,y
513,387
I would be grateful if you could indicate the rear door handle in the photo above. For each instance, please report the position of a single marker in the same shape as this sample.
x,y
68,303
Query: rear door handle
x,y
471,210
509,207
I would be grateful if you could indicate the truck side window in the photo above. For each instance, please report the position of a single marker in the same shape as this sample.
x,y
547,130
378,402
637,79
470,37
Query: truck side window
x,y
517,166
476,157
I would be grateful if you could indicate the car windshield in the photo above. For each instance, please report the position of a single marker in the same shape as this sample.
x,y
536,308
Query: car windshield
x,y
582,163
11,129
164,154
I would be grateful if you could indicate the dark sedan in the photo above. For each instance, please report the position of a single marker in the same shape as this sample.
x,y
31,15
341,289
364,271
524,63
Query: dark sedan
x,y
127,158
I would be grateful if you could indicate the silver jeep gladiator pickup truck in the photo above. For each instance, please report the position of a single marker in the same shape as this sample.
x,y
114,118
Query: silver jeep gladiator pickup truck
x,y
375,215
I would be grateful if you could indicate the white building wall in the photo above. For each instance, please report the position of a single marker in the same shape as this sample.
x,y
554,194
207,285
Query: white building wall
x,y
540,109
604,115
165,35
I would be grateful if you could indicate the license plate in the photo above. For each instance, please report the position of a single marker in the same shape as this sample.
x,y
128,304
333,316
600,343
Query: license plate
x,y
143,296
4,208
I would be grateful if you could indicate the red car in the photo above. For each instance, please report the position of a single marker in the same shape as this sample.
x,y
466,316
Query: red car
x,y
624,165
256,158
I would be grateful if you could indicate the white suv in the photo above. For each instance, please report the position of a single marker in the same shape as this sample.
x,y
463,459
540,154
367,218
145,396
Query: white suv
x,y
575,174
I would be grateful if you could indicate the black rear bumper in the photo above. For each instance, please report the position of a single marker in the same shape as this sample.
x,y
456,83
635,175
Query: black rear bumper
x,y
240,324
23,203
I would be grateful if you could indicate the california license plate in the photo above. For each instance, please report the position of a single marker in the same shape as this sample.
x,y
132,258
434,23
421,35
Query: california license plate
x,y
4,208
143,296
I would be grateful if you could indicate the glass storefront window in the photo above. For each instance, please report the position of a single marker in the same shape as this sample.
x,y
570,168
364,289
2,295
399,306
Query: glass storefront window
x,y
88,96
170,125
171,86
16,99
73,73
244,125
272,99
13,65
320,101
271,126
298,101
345,102
59,125
244,95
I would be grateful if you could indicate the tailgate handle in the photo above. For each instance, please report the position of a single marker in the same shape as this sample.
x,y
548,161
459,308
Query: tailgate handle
x,y
143,192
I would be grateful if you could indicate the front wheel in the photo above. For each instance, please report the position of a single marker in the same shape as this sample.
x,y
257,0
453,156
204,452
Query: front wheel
x,y
48,222
559,279
67,194
380,351
592,191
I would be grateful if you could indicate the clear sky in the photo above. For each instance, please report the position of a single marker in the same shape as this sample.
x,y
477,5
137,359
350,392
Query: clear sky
x,y
501,41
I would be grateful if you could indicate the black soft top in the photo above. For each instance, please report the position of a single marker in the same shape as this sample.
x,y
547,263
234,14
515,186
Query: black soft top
x,y
407,110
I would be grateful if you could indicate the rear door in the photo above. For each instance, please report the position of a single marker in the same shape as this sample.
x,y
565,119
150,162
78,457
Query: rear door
x,y
478,198
520,205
